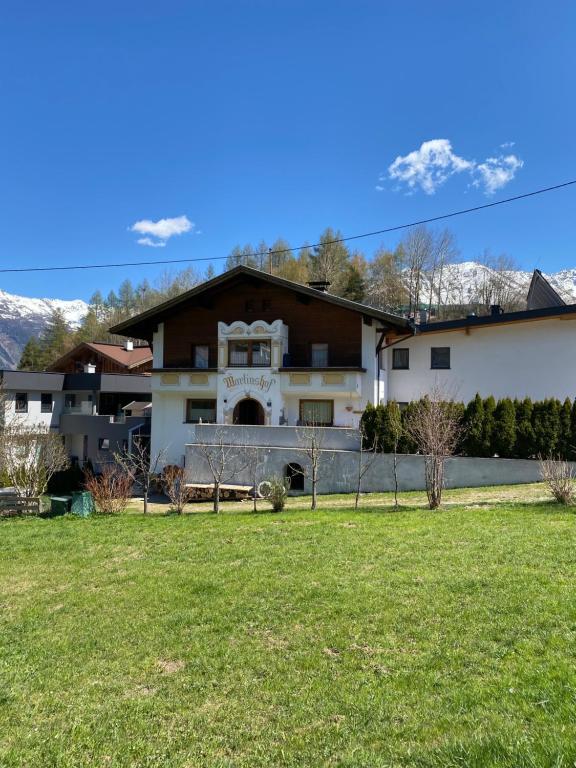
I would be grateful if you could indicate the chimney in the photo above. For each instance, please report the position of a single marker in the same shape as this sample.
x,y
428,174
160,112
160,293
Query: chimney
x,y
319,285
129,345
496,309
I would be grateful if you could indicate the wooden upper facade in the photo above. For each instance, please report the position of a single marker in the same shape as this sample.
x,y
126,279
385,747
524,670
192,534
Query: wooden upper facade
x,y
243,294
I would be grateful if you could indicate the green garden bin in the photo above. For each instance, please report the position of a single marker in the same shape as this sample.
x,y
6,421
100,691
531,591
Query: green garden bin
x,y
82,503
59,505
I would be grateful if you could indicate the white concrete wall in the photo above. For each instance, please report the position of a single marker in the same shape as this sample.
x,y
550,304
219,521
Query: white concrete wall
x,y
169,428
34,414
338,470
535,359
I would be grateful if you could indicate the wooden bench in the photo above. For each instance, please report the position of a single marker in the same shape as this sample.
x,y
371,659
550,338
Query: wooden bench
x,y
12,505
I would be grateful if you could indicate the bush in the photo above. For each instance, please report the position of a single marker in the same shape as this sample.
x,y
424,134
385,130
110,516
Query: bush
x,y
559,477
111,489
504,434
174,486
71,479
275,493
524,430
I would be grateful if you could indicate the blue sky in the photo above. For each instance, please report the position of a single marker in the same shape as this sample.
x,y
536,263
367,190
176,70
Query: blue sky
x,y
260,119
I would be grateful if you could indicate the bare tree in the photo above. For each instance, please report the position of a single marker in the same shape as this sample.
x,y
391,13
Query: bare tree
x,y
434,424
443,253
366,457
311,440
174,485
142,466
253,465
558,475
111,489
223,460
418,247
30,454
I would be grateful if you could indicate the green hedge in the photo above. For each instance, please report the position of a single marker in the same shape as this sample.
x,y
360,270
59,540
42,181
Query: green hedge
x,y
519,429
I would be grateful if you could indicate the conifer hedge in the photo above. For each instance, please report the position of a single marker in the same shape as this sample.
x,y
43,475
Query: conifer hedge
x,y
515,429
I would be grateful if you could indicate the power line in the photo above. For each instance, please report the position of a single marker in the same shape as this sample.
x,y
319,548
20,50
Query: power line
x,y
387,230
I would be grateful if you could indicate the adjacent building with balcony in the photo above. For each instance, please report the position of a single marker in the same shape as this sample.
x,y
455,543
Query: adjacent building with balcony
x,y
92,411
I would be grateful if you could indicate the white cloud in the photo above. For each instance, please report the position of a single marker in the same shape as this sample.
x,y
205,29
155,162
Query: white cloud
x,y
507,145
496,172
430,166
150,242
163,229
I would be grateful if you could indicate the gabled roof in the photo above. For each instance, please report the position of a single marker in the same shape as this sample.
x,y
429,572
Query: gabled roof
x,y
140,325
541,294
127,358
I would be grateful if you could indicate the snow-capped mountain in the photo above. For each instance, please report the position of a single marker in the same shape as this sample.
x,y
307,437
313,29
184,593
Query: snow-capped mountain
x,y
22,317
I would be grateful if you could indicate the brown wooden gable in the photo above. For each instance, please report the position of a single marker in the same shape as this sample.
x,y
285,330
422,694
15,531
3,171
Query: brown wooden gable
x,y
248,298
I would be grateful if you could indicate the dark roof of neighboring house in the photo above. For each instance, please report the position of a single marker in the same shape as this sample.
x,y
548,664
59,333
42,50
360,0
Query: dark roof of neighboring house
x,y
523,316
541,294
139,326
128,358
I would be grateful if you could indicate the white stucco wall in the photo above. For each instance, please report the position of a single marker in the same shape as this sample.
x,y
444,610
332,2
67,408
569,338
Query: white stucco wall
x,y
169,428
535,359
34,414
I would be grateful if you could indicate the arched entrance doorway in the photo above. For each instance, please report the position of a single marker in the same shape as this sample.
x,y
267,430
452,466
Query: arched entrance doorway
x,y
249,411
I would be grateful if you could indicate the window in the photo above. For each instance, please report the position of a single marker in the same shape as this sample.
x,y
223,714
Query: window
x,y
21,402
250,305
249,354
253,305
200,411
440,357
70,400
319,356
400,359
200,355
46,402
317,413
103,444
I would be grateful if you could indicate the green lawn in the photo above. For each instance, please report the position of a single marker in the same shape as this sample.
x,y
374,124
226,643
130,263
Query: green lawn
x,y
334,638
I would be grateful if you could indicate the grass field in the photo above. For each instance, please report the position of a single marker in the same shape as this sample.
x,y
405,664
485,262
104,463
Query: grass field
x,y
334,638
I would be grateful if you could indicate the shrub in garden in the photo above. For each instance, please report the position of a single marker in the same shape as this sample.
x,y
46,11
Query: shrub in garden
x,y
275,493
546,425
524,430
111,490
565,429
504,434
474,427
558,476
488,427
174,486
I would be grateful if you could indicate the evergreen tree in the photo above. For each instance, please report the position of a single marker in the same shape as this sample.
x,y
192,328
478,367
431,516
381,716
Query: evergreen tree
x,y
546,425
368,426
473,427
354,287
504,435
406,443
32,358
572,454
57,338
524,429
488,427
565,429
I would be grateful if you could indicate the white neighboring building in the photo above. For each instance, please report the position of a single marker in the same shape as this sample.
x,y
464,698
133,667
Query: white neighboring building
x,y
252,349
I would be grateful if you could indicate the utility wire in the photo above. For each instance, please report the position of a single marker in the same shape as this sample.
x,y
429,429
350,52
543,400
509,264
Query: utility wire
x,y
396,228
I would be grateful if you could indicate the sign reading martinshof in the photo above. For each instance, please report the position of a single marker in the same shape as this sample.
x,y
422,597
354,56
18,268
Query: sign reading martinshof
x,y
263,383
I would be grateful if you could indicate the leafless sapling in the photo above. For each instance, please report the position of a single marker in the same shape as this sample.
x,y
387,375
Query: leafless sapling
x,y
435,426
142,465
